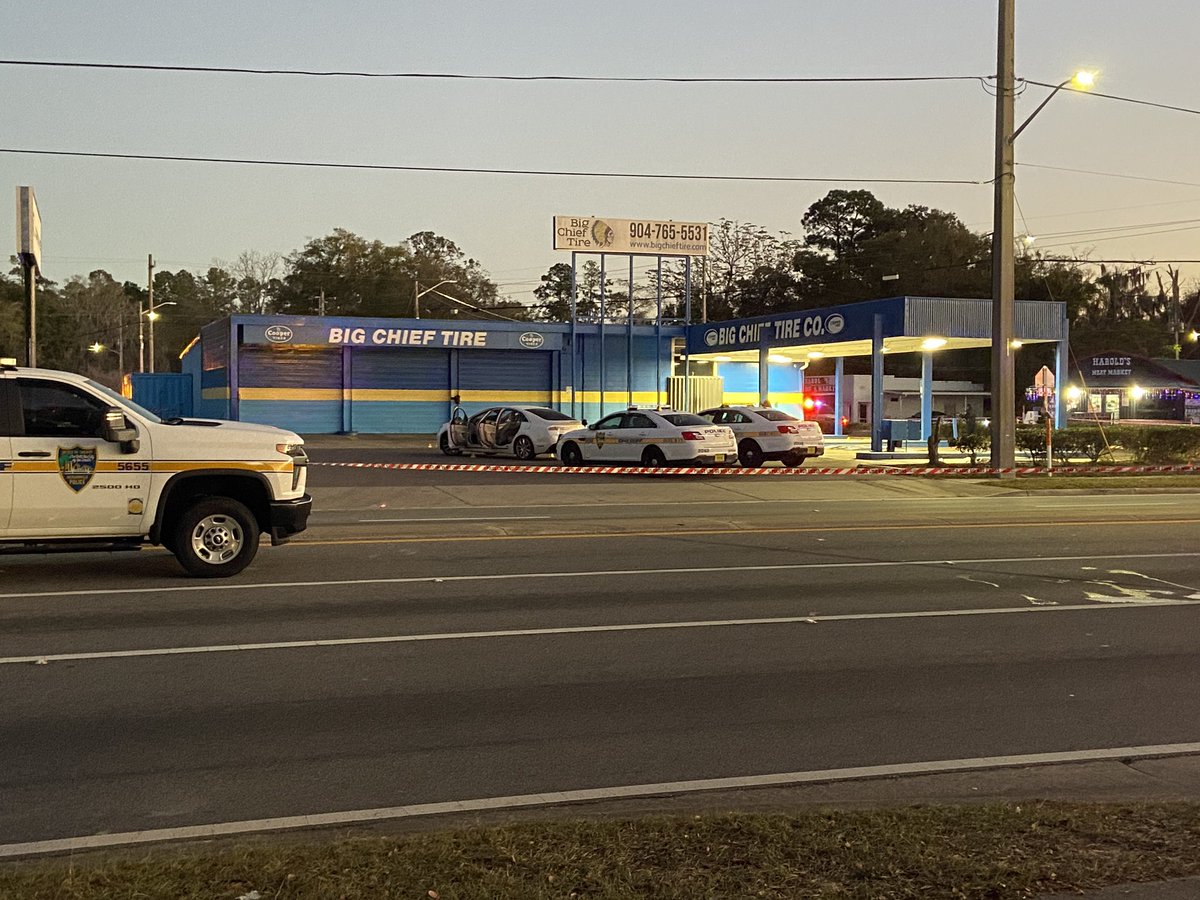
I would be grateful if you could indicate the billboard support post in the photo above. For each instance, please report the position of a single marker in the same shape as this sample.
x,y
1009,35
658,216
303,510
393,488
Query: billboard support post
x,y
29,253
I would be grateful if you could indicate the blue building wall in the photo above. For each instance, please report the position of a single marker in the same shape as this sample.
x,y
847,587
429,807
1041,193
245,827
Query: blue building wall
x,y
167,394
315,375
784,384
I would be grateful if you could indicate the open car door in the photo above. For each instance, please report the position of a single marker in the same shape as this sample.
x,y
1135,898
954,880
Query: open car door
x,y
507,426
458,427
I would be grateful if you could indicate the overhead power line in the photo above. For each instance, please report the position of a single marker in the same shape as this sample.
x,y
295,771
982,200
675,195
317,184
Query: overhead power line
x,y
383,167
1183,109
1109,174
463,76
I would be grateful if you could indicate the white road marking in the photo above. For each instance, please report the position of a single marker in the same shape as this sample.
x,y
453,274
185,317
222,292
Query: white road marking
x,y
587,795
460,519
45,658
516,576
1129,500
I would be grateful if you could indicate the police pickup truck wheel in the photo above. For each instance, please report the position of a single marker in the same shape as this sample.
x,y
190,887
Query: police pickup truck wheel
x,y
215,537
523,448
750,454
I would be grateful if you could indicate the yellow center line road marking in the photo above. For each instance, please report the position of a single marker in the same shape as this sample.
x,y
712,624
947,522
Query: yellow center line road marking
x,y
581,629
694,532
515,576
591,795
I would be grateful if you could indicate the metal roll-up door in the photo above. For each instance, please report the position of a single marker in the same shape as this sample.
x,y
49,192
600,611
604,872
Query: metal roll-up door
x,y
400,391
494,377
295,388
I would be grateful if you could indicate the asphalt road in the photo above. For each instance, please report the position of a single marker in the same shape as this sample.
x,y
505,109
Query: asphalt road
x,y
490,639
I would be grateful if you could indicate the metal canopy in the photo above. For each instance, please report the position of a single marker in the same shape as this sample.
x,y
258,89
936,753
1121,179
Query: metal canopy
x,y
874,328
907,322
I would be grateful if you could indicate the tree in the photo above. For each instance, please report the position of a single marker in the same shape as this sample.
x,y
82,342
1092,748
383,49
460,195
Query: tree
x,y
553,295
841,220
370,278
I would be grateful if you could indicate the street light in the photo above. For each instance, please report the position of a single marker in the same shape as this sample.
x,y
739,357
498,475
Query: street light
x,y
1004,401
418,294
152,316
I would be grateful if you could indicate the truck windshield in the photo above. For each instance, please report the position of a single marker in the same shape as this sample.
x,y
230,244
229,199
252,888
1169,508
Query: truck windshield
x,y
124,401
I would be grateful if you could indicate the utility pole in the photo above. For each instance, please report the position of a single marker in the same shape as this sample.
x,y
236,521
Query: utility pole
x,y
142,315
1004,399
416,299
321,306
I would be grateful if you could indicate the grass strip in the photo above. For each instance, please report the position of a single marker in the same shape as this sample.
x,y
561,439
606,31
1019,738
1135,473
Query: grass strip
x,y
1101,482
993,851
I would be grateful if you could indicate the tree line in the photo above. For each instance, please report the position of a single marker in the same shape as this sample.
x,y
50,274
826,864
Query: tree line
x,y
852,247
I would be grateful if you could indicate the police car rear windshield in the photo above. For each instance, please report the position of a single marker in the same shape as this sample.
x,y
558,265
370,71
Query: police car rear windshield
x,y
775,415
552,414
685,419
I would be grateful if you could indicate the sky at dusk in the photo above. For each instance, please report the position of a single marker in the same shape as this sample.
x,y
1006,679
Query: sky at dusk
x,y
110,213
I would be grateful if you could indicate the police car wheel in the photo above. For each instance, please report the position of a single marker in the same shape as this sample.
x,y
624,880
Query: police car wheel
x,y
652,458
523,448
215,537
444,444
750,454
571,455
794,459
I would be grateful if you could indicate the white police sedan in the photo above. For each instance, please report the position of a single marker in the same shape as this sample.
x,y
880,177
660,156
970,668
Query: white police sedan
x,y
764,433
520,431
652,437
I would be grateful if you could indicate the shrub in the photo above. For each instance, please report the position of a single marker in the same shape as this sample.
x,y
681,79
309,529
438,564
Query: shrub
x,y
1162,443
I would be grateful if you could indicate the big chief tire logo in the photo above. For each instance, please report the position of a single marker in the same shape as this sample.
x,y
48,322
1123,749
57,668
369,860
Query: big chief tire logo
x,y
710,337
77,465
531,340
834,324
278,334
602,234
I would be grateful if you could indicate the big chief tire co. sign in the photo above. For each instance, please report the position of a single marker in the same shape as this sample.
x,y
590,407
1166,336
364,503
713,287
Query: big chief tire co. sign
x,y
644,237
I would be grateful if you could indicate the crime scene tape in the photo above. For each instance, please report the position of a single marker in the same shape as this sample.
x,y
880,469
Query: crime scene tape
x,y
780,472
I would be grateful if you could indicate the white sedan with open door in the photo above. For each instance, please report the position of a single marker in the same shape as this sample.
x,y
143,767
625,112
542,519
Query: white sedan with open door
x,y
652,437
521,431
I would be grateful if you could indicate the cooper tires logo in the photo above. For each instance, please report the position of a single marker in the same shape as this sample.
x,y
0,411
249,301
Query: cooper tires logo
x,y
531,340
278,334
834,324
710,337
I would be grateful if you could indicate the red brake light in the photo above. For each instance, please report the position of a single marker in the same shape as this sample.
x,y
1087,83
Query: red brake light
x,y
693,436
787,429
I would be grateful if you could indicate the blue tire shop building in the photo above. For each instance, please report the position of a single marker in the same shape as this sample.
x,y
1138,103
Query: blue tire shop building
x,y
342,374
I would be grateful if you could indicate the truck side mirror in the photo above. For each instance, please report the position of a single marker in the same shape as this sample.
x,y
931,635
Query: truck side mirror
x,y
117,430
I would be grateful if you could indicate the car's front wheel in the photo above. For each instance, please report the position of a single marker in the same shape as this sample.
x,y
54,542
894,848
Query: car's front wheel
x,y
571,455
523,448
215,537
444,444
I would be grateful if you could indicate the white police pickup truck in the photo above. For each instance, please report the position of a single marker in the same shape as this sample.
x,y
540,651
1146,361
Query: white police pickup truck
x,y
81,465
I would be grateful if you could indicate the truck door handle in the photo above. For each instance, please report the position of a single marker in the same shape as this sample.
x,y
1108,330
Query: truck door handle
x,y
34,453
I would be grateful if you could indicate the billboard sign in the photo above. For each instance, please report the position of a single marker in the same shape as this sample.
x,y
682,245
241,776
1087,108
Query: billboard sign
x,y
588,234
29,228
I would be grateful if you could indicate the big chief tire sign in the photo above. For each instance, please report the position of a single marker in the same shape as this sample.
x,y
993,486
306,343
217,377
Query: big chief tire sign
x,y
588,234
